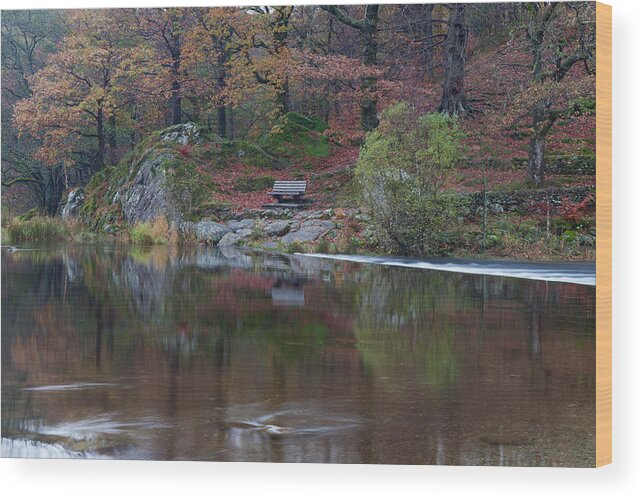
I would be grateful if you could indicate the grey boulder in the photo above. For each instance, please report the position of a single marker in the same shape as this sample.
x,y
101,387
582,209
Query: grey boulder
x,y
277,228
231,239
305,234
206,231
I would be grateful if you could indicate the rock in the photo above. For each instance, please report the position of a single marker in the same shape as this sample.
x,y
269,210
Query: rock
x,y
205,231
496,208
244,232
340,213
155,181
246,223
270,245
362,217
231,239
309,215
182,134
321,223
587,240
277,228
276,213
148,197
305,234
75,200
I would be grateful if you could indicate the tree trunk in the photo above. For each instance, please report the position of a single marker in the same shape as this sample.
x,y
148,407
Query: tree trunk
x,y
428,33
175,103
537,159
368,33
280,40
282,99
100,132
229,123
112,139
53,191
221,120
453,100
368,85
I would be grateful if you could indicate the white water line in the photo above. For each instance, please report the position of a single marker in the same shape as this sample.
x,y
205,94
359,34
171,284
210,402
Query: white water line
x,y
539,272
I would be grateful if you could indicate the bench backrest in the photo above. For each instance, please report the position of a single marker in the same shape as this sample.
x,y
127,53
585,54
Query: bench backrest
x,y
289,187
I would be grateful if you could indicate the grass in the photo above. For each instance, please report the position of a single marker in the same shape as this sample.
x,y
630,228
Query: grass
x,y
37,229
251,183
295,247
295,135
150,234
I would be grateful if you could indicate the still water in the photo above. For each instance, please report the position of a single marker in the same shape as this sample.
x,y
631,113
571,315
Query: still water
x,y
205,354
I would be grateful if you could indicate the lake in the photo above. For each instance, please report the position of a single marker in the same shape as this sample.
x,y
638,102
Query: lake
x,y
228,355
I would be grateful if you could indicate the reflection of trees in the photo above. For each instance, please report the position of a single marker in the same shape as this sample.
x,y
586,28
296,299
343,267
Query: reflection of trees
x,y
434,354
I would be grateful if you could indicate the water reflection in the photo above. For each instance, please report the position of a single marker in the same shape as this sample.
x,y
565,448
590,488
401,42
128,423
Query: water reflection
x,y
207,355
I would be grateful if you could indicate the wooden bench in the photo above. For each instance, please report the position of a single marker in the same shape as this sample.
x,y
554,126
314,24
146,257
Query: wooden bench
x,y
291,188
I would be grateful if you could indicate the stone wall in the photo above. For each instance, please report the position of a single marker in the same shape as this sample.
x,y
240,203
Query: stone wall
x,y
554,165
564,165
527,199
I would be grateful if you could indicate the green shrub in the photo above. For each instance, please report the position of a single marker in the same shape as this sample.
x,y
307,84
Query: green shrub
x,y
402,170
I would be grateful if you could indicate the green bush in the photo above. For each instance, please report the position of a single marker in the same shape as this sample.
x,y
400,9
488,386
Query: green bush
x,y
402,170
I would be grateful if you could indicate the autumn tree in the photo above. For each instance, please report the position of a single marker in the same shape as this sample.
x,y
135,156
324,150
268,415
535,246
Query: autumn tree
x,y
268,34
560,37
367,27
166,29
453,100
28,37
211,48
91,78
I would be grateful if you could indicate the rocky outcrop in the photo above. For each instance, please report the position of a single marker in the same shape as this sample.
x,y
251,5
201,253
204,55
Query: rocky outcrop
x,y
71,208
158,179
149,196
188,133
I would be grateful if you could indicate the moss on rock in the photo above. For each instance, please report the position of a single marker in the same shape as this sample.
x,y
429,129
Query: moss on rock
x,y
158,179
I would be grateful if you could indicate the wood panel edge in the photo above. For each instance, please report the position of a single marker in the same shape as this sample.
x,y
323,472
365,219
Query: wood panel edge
x,y
604,234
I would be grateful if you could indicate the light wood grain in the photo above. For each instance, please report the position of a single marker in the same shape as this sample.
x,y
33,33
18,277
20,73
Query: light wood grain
x,y
604,234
